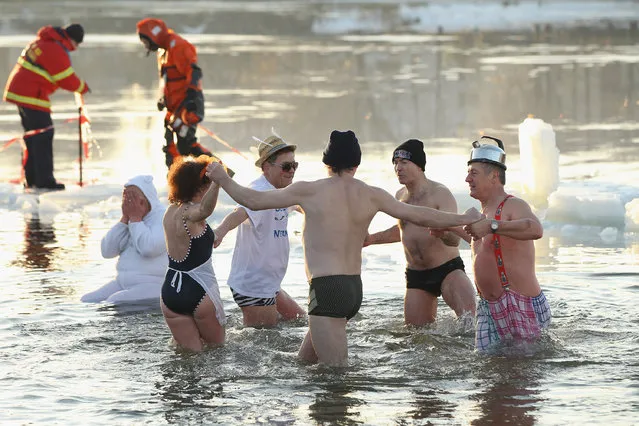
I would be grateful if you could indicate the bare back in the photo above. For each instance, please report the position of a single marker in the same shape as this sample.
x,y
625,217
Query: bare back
x,y
178,240
338,211
423,250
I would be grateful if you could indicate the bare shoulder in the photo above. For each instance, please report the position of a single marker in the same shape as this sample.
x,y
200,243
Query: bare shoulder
x,y
378,194
169,214
363,185
516,208
303,187
401,193
170,211
440,190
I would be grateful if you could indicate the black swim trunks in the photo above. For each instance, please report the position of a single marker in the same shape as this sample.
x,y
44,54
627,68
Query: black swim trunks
x,y
336,296
431,280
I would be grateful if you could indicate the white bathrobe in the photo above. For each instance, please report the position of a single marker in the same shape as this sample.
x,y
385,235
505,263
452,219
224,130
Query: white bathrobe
x,y
142,253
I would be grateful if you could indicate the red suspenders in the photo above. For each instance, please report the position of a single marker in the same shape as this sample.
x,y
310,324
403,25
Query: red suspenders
x,y
503,278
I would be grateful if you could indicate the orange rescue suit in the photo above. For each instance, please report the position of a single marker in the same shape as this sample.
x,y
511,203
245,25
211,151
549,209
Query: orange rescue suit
x,y
176,70
177,63
182,88
42,68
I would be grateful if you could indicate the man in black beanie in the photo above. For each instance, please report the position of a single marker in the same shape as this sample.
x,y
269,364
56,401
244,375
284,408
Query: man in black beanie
x,y
338,210
342,151
43,67
75,32
434,267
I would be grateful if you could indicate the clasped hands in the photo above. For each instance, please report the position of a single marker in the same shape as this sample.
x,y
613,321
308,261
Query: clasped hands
x,y
476,230
216,171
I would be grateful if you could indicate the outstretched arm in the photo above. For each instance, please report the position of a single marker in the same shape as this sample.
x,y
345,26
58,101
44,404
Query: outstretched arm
x,y
257,200
390,235
423,216
231,221
447,203
519,223
451,236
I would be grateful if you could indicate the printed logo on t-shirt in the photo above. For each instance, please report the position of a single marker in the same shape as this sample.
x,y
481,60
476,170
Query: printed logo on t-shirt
x,y
280,234
281,214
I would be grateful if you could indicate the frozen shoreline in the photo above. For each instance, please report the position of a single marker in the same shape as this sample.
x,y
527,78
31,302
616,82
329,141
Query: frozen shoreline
x,y
479,15
324,17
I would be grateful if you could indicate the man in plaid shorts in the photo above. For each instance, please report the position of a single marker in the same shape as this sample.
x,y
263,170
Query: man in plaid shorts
x,y
512,307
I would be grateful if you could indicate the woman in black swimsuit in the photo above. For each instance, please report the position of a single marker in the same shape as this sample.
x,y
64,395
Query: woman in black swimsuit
x,y
191,301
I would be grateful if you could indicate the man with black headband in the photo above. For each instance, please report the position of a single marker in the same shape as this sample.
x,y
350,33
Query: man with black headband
x,y
434,267
338,210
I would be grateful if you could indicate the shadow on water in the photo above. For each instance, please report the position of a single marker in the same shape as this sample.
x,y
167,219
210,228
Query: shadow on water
x,y
345,397
428,404
39,244
510,390
335,401
132,308
186,393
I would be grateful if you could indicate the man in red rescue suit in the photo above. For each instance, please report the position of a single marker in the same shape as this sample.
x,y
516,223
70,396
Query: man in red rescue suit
x,y
181,78
43,67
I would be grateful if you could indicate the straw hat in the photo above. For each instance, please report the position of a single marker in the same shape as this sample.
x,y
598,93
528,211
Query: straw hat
x,y
270,146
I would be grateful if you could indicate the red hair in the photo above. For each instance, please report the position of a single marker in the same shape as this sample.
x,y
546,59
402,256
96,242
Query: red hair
x,y
187,177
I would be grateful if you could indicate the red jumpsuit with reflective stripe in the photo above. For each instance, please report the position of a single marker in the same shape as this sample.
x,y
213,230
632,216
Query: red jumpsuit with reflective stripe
x,y
43,67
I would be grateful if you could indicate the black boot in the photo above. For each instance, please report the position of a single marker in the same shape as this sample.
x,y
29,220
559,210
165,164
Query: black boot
x,y
52,186
55,186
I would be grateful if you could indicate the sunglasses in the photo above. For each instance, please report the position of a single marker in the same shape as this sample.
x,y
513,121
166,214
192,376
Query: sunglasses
x,y
287,166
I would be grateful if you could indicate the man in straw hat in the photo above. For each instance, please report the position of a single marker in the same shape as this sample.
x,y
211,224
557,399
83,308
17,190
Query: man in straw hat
x,y
260,257
338,210
512,306
434,267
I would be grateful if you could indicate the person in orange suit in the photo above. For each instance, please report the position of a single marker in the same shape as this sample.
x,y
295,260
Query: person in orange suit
x,y
181,80
43,67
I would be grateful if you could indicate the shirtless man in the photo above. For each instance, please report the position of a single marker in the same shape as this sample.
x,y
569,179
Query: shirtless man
x,y
512,306
434,267
338,210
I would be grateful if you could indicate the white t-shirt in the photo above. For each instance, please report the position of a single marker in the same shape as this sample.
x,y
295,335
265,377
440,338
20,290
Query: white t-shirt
x,y
260,257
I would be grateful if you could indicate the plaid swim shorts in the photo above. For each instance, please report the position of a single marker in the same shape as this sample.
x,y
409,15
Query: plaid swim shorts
x,y
512,317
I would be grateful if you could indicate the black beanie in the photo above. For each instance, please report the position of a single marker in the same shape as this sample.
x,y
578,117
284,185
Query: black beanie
x,y
411,150
75,32
342,151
